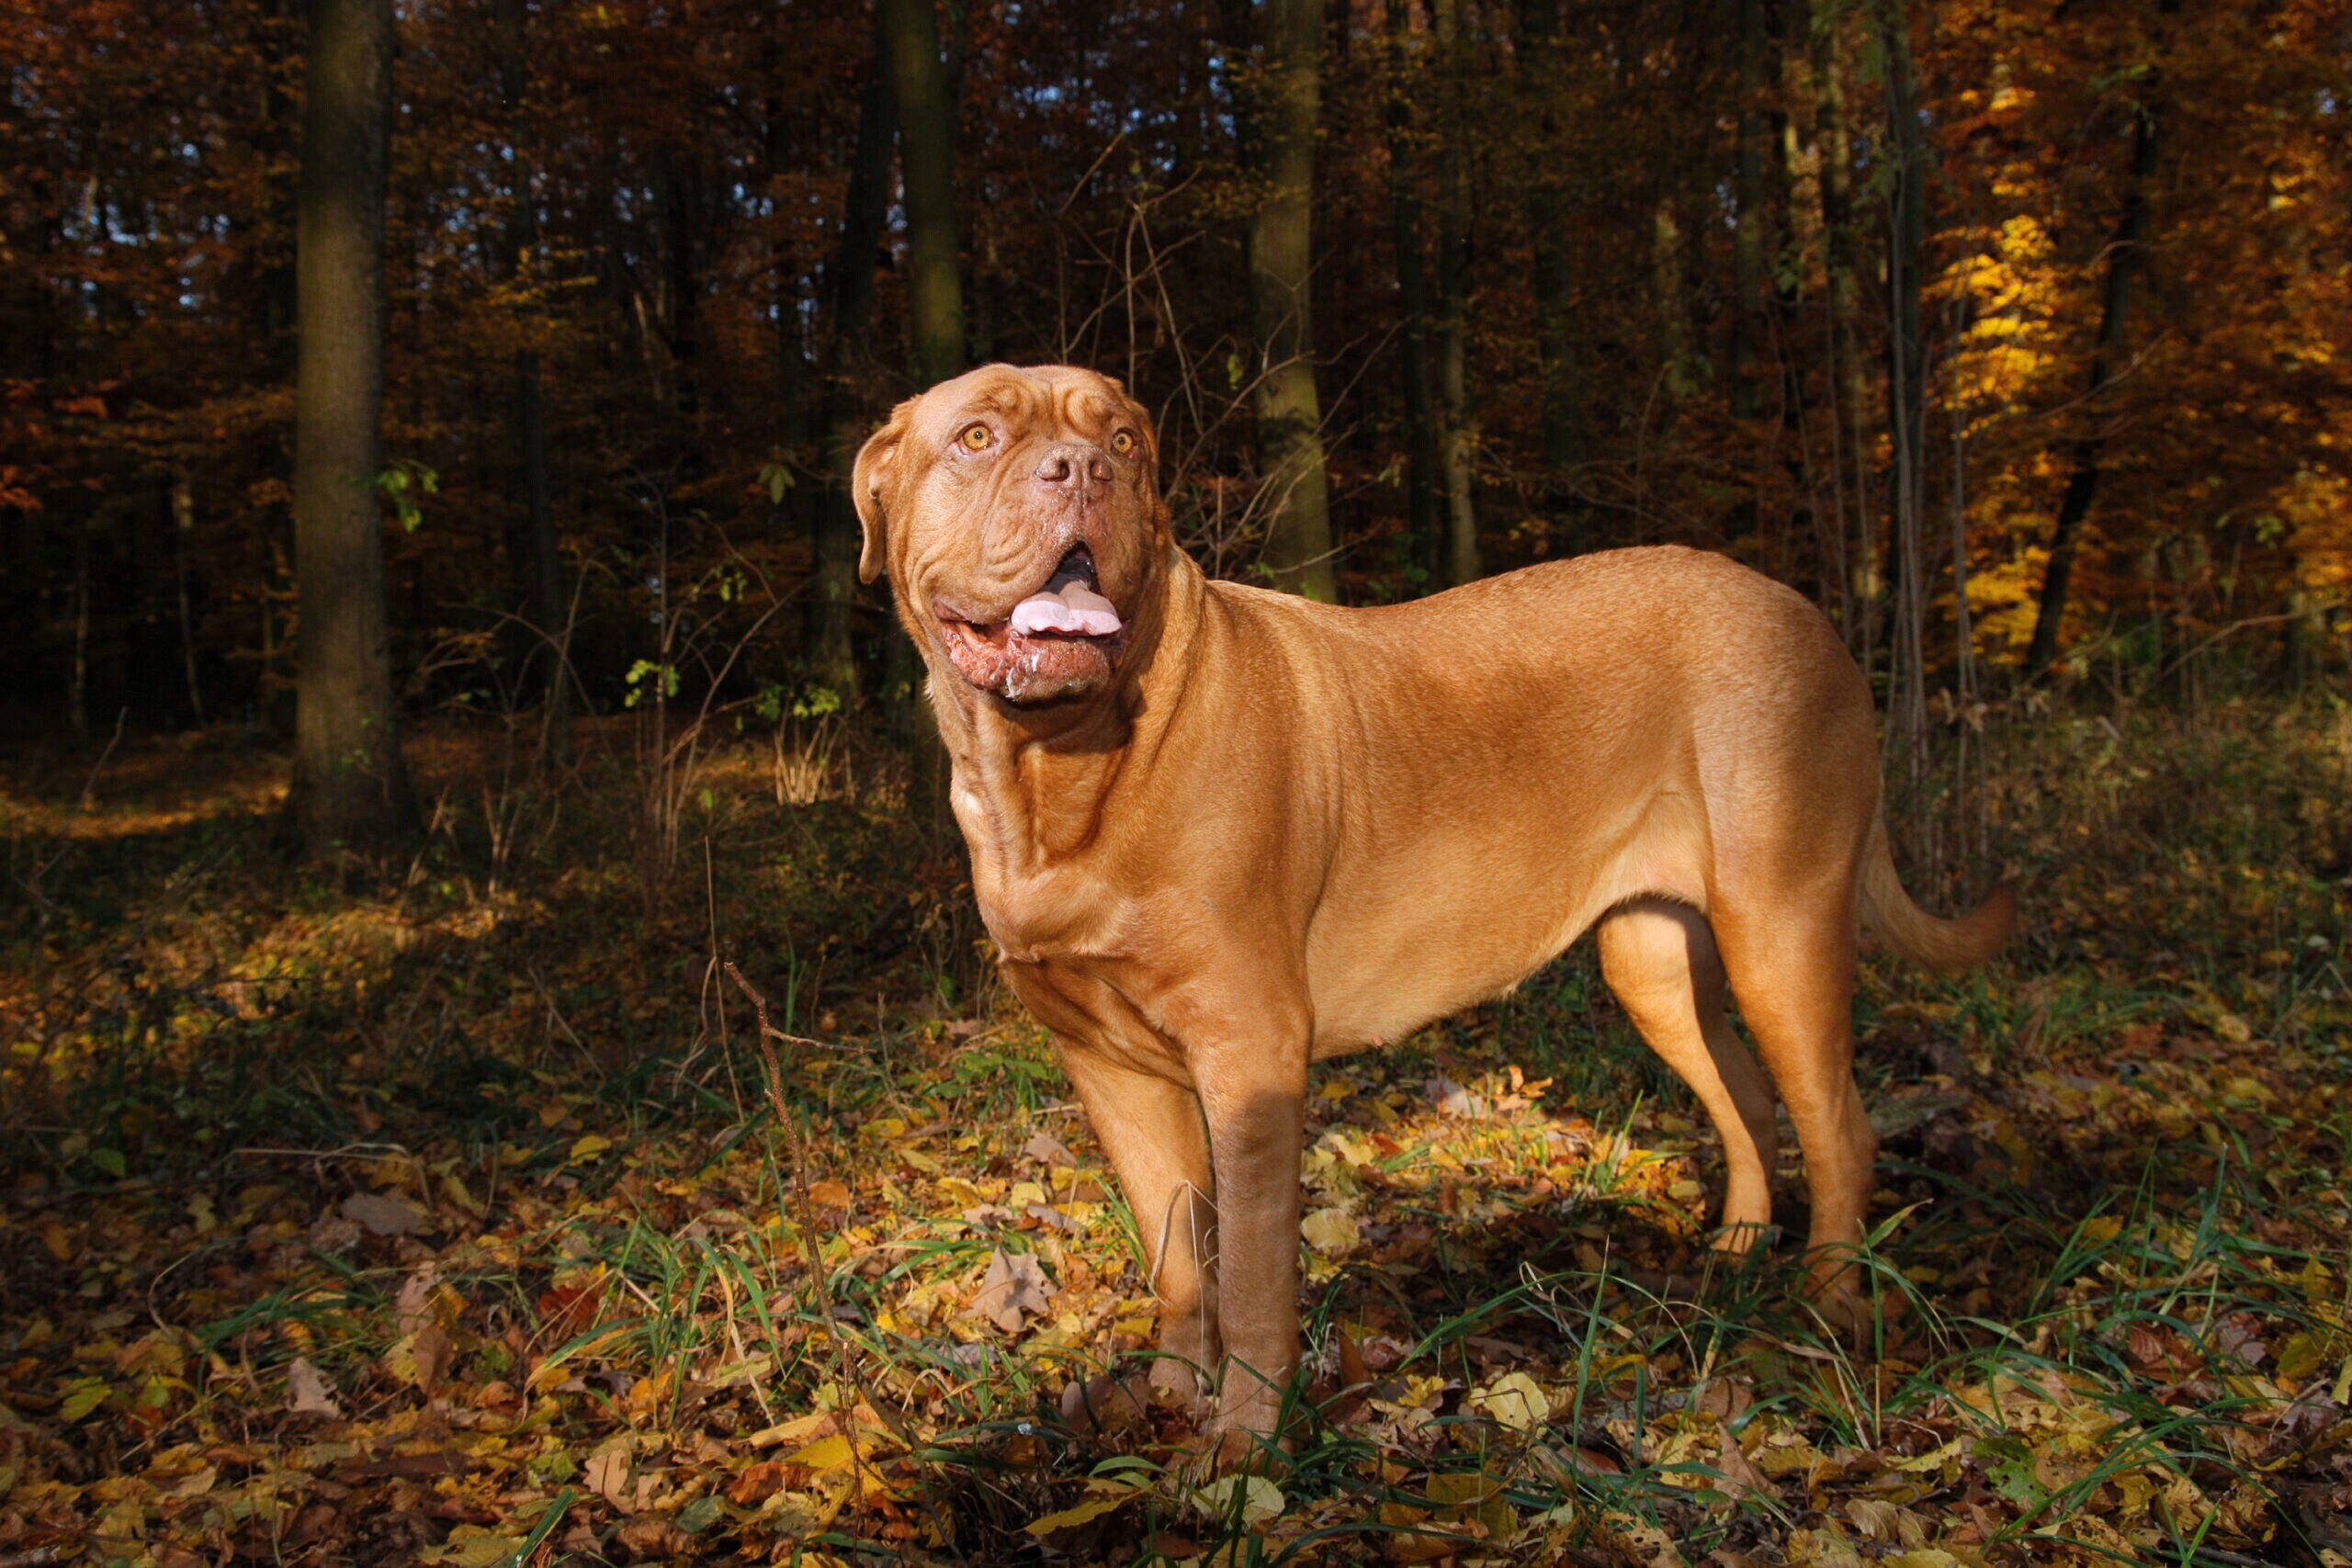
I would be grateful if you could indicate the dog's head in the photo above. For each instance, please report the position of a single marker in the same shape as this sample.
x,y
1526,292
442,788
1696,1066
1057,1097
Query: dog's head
x,y
1018,515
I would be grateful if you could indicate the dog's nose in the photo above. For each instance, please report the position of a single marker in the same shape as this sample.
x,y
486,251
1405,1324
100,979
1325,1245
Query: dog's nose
x,y
1074,463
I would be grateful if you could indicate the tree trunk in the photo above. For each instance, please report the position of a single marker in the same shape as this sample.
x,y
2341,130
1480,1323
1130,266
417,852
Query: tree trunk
x,y
183,504
1424,541
1281,143
1842,296
1667,299
77,677
350,789
1748,239
1906,400
2125,256
935,290
1458,437
1538,26
543,587
927,159
850,279
683,230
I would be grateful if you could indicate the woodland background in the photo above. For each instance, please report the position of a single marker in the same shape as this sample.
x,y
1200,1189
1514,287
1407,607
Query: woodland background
x,y
434,658
1906,306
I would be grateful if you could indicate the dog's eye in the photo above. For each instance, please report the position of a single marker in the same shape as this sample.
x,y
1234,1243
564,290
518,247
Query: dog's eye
x,y
1123,443
978,438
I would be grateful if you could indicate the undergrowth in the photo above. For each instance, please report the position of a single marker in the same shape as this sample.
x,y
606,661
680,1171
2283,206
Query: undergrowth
x,y
438,1212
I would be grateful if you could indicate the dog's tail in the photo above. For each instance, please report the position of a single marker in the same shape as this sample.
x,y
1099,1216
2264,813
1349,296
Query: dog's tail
x,y
1923,938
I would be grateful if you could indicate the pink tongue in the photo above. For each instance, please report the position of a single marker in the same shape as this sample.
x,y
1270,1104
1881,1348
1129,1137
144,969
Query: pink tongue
x,y
1074,609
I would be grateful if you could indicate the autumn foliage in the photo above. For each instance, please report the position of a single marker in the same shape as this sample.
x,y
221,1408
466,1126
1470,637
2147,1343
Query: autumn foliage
x,y
1682,265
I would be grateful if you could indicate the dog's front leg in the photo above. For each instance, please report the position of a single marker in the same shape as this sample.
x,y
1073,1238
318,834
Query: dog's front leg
x,y
1151,1126
1255,1095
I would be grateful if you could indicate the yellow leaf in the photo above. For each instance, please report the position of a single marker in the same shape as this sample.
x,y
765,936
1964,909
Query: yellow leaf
x,y
1513,1400
1257,1499
589,1145
1093,1508
1330,1231
798,1429
824,1454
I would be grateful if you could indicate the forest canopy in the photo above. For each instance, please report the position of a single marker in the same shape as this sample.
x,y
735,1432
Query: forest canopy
x,y
1899,303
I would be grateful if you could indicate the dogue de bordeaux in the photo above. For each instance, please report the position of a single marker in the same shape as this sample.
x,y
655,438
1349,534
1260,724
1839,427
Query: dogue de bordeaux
x,y
1219,833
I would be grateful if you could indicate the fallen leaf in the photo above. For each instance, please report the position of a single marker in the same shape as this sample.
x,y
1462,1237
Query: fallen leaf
x,y
1102,1403
1741,1478
412,1308
607,1477
1079,1514
1015,1283
307,1393
569,1309
87,1394
1332,1232
829,1194
195,1484
1513,1400
436,1354
1046,1149
1257,1498
756,1484
382,1215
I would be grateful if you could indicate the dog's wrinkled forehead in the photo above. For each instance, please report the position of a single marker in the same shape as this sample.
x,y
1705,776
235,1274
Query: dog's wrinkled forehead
x,y
1052,402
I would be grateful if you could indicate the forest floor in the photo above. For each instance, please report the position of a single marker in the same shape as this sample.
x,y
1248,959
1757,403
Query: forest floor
x,y
437,1213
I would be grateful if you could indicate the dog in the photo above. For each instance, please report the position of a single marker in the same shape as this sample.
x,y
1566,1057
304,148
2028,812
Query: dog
x,y
1220,833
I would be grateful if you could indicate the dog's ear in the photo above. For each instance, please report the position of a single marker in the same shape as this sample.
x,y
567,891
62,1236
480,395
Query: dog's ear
x,y
876,471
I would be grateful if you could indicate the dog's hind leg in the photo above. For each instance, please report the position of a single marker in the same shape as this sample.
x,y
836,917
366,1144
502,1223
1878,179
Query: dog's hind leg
x,y
1152,1131
1791,966
1660,960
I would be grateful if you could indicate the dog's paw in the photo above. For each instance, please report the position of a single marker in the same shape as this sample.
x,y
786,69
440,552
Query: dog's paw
x,y
1850,1312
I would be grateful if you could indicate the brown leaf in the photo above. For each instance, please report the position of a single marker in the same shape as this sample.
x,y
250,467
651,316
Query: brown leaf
x,y
1353,1370
1727,1399
307,1393
569,1309
1046,1149
829,1194
655,1538
436,1354
756,1484
382,1215
607,1474
412,1308
1104,1405
1741,1478
1015,1283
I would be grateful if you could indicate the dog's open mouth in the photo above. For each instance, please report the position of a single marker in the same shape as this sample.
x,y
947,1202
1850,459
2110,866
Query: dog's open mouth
x,y
1057,642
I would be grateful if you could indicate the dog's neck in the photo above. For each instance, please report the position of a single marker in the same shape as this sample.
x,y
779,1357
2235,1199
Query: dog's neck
x,y
1031,781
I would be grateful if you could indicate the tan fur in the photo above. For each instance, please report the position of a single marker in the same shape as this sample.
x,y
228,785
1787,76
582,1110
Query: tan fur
x,y
1275,832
